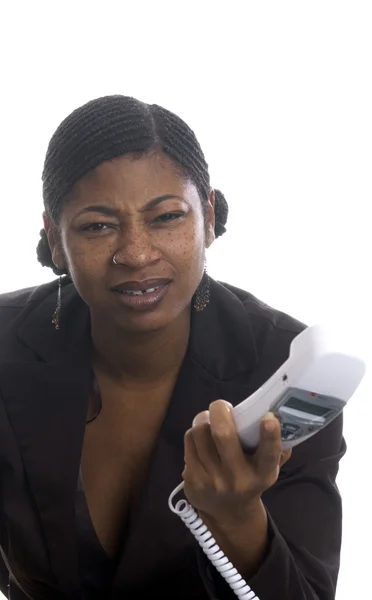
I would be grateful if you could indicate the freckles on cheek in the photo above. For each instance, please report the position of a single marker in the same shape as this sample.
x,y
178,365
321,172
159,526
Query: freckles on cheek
x,y
185,251
180,244
86,262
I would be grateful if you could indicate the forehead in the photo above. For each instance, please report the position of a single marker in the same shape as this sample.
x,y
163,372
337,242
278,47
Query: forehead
x,y
138,176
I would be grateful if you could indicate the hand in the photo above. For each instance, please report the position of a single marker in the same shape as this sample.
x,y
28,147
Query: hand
x,y
221,481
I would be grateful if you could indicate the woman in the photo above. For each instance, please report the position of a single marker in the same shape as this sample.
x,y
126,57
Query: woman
x,y
116,382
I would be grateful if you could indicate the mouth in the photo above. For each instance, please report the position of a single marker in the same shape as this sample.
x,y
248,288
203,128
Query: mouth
x,y
144,295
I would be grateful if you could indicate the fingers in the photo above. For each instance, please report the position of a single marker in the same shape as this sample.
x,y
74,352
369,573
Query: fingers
x,y
225,436
212,446
269,452
193,467
204,443
214,455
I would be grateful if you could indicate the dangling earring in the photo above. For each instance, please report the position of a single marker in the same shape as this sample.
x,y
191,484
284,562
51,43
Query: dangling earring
x,y
203,293
57,312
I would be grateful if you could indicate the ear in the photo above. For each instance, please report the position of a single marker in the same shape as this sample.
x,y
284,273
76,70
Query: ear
x,y
54,242
210,237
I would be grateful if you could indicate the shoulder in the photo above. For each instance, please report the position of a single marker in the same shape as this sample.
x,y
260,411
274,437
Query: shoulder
x,y
12,304
258,310
262,316
20,298
272,330
238,335
16,299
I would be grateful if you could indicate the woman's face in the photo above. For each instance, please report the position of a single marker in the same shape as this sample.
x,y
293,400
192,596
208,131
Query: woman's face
x,y
142,212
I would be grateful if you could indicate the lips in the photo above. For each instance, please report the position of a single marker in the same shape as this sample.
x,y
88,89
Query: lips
x,y
144,295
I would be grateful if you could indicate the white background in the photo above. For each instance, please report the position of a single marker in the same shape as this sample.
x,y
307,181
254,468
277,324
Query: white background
x,y
279,95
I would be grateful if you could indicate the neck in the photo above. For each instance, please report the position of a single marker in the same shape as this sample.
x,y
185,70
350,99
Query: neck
x,y
148,357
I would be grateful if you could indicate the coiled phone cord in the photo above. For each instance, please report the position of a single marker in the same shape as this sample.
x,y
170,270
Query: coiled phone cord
x,y
208,544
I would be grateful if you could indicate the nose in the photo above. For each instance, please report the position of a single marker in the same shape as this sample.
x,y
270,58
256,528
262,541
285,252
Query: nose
x,y
136,249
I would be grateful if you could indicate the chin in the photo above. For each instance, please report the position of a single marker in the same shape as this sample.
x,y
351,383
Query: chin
x,y
148,322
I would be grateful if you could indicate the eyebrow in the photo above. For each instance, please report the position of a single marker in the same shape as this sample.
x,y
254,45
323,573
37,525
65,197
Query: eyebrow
x,y
112,212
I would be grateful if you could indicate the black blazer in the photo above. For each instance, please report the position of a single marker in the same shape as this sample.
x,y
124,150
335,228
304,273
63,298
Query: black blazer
x,y
236,343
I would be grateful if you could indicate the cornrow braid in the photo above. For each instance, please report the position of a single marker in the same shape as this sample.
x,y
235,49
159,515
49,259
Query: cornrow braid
x,y
112,126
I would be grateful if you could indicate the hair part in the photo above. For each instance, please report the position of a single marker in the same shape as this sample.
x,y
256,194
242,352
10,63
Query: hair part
x,y
113,126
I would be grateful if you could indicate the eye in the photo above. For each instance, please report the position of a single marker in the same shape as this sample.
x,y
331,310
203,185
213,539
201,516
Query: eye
x,y
168,217
95,227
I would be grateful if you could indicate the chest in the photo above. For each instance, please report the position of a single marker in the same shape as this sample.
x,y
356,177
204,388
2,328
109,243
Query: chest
x,y
117,450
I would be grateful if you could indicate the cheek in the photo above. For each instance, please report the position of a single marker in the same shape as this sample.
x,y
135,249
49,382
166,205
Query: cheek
x,y
86,259
185,250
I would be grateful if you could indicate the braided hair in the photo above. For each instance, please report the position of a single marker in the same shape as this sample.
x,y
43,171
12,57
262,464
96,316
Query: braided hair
x,y
109,127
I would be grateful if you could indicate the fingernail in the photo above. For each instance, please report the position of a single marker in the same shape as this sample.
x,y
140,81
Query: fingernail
x,y
201,417
269,424
229,406
269,416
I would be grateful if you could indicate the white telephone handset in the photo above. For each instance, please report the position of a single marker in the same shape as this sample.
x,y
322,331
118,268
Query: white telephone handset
x,y
306,393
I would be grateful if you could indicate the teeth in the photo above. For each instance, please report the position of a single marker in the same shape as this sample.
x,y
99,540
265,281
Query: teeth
x,y
139,292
